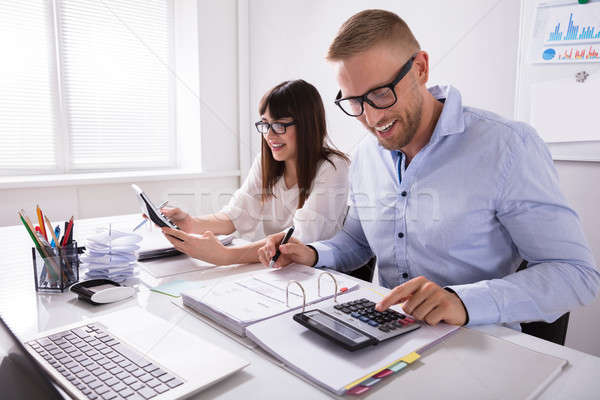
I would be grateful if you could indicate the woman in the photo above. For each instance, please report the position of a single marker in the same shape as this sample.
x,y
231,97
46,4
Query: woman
x,y
296,180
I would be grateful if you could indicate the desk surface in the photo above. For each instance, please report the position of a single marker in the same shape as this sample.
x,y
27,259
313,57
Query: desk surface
x,y
28,313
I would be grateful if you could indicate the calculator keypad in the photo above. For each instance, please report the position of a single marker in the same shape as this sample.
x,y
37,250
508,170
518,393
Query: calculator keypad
x,y
361,314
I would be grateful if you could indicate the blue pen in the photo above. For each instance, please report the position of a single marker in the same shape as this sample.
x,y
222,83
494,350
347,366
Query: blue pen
x,y
164,203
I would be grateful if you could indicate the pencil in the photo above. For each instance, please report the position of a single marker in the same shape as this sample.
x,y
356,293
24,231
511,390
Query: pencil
x,y
36,241
52,231
40,216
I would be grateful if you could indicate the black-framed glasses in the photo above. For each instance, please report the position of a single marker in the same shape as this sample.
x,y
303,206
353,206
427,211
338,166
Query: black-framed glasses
x,y
381,97
278,127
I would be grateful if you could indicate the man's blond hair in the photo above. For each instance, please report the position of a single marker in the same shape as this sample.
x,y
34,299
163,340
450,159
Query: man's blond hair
x,y
368,28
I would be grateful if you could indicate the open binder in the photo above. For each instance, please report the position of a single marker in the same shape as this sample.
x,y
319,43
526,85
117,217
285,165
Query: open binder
x,y
261,306
498,370
243,302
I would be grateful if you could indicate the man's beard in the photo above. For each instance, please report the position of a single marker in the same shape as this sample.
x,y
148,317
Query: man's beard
x,y
407,124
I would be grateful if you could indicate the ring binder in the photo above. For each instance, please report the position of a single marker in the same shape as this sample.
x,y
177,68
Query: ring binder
x,y
334,282
287,294
287,290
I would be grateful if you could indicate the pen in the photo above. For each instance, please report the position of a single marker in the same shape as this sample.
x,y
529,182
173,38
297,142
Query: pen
x,y
164,203
285,239
68,229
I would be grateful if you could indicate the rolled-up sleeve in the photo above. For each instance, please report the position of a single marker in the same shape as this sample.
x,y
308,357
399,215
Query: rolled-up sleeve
x,y
547,233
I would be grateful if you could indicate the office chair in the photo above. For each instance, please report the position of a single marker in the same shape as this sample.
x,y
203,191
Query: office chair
x,y
555,332
366,271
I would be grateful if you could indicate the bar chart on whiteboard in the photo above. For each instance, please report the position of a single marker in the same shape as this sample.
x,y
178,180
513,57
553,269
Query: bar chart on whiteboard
x,y
566,32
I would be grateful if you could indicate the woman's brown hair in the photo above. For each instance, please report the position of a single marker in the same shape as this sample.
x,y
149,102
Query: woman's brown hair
x,y
302,102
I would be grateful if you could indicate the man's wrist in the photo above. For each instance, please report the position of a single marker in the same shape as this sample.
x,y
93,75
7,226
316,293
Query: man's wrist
x,y
461,302
316,255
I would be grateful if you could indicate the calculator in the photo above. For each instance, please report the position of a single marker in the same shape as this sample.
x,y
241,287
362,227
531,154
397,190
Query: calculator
x,y
356,324
151,210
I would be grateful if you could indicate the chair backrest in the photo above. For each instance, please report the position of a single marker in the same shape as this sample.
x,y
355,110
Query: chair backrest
x,y
366,271
555,332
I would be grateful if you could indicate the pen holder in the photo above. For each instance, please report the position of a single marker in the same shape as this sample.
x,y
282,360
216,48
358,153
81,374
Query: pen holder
x,y
57,271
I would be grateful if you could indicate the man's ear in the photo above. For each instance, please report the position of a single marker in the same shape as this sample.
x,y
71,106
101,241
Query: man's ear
x,y
421,66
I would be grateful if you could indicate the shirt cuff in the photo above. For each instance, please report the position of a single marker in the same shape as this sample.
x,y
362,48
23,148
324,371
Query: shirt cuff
x,y
480,305
324,254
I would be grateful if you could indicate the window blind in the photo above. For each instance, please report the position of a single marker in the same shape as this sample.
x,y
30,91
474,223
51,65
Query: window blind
x,y
114,57
27,95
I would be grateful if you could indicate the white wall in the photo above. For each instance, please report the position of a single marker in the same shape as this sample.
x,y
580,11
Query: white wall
x,y
210,91
472,45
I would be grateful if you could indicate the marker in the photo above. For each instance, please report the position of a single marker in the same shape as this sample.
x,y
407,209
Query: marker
x,y
164,203
285,239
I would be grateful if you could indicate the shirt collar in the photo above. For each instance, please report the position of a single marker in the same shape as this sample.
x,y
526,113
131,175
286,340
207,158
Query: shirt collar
x,y
451,119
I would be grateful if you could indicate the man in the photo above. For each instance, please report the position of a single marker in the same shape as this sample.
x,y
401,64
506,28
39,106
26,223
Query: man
x,y
449,198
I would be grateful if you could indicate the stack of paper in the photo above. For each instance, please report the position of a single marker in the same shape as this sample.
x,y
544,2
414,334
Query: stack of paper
x,y
235,305
111,255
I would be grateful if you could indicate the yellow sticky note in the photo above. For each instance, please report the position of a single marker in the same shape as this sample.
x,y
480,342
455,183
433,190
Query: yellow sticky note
x,y
410,358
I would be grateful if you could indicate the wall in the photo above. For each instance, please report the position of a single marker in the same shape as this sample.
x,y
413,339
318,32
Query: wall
x,y
472,45
209,90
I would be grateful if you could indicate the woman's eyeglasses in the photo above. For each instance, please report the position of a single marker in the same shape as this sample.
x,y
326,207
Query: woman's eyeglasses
x,y
278,127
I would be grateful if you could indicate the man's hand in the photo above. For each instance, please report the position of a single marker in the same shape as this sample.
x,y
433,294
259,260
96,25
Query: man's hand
x,y
291,252
427,302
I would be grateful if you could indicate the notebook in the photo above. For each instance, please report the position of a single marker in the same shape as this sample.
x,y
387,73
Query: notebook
x,y
240,303
154,245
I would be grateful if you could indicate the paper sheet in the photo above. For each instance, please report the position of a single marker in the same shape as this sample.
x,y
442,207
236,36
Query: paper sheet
x,y
263,294
566,110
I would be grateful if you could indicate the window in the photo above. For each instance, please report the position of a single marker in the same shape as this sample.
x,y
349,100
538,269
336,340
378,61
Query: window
x,y
89,87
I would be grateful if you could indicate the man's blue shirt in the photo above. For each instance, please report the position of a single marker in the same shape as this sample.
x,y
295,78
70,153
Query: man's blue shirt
x,y
479,198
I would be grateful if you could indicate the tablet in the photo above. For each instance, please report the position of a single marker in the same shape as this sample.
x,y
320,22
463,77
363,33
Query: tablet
x,y
151,210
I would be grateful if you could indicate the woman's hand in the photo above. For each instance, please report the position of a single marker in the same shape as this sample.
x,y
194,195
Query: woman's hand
x,y
293,251
179,217
205,247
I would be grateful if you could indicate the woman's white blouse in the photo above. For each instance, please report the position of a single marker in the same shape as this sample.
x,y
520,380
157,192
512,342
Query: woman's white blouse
x,y
320,218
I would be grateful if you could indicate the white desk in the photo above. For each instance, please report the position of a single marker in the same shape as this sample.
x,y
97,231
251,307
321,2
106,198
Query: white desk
x,y
28,313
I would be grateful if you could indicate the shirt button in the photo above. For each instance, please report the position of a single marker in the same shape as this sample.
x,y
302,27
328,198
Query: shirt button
x,y
405,275
403,193
401,235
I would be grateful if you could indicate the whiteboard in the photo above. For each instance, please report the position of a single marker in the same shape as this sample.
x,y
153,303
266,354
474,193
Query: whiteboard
x,y
536,81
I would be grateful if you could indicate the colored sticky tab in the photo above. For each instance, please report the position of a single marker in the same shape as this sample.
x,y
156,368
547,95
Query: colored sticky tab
x,y
370,382
410,358
383,373
344,289
358,390
398,366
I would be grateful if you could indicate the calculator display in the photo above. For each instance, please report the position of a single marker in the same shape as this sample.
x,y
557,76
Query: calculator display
x,y
315,317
